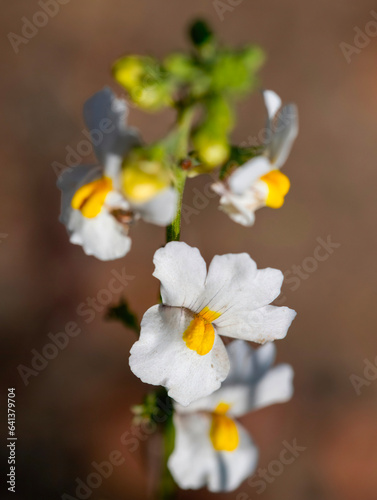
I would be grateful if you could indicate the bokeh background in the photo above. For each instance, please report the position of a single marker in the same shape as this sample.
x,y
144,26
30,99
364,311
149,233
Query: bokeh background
x,y
75,410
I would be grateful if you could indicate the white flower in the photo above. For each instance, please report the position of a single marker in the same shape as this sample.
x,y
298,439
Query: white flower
x,y
94,209
259,182
211,448
180,345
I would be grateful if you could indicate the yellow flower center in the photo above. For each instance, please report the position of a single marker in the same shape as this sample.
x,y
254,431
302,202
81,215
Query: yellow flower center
x,y
278,186
200,334
89,199
223,433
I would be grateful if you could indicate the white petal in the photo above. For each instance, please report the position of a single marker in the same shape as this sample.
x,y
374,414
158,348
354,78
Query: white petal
x,y
194,462
236,396
161,357
115,200
272,102
261,325
182,272
194,457
105,116
248,365
247,385
274,387
252,383
285,133
244,177
235,287
161,209
101,236
240,208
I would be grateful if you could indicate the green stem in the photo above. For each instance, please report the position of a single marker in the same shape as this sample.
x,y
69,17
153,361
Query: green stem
x,y
173,232
168,488
181,141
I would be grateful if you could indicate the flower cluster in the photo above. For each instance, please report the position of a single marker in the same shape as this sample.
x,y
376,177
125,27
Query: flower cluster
x,y
100,202
182,345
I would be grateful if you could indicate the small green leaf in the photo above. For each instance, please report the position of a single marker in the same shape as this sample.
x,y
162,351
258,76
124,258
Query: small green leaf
x,y
122,313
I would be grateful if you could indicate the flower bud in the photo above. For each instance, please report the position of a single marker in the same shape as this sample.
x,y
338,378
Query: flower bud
x,y
211,145
128,71
180,66
143,177
220,114
230,74
145,81
253,57
200,33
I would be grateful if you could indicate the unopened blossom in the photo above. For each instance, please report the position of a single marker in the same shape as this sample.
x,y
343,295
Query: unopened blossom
x,y
180,344
259,182
211,448
95,210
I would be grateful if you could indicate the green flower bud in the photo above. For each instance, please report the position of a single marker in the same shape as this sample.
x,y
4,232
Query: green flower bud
x,y
129,70
145,81
180,66
200,33
253,57
211,145
231,74
152,97
220,114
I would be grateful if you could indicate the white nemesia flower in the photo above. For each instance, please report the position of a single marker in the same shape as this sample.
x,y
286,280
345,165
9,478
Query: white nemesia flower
x,y
211,448
180,345
95,212
259,182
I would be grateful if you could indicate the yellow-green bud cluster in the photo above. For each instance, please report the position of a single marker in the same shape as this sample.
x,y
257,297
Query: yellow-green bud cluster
x,y
145,80
210,78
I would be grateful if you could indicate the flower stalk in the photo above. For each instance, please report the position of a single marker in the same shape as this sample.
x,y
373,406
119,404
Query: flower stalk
x,y
168,488
173,231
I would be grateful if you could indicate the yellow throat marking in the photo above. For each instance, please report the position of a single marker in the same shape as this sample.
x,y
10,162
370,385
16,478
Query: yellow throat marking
x,y
200,334
90,198
278,186
223,433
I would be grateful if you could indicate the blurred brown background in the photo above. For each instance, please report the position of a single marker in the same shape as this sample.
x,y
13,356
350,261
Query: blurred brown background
x,y
75,410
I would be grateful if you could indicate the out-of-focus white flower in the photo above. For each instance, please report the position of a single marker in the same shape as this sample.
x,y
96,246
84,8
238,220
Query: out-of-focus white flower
x,y
95,210
259,182
180,345
211,448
